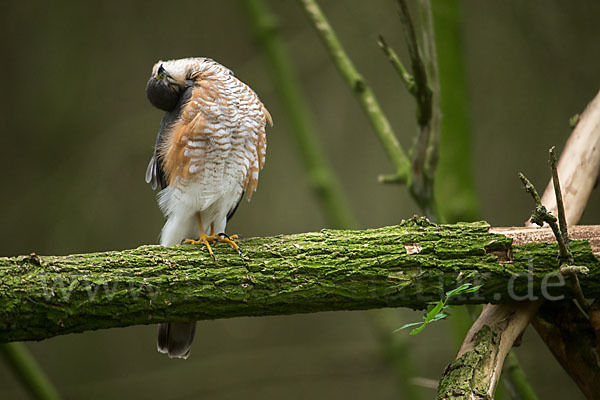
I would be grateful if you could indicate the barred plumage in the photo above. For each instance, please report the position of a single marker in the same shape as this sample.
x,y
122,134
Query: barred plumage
x,y
209,151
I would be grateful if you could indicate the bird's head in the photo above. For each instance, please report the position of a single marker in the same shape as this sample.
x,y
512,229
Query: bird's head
x,y
170,78
167,83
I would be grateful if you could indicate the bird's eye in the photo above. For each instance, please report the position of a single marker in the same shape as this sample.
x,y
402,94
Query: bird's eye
x,y
161,70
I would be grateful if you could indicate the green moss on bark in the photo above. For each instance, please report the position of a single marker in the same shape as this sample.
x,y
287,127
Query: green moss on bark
x,y
406,265
460,378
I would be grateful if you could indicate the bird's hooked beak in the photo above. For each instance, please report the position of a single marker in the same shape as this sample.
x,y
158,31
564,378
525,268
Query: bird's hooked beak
x,y
161,73
163,76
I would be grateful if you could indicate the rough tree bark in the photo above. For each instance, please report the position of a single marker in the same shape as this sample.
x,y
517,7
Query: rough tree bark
x,y
572,337
406,265
490,338
475,372
575,348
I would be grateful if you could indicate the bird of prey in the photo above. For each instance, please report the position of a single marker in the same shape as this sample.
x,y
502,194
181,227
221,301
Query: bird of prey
x,y
210,148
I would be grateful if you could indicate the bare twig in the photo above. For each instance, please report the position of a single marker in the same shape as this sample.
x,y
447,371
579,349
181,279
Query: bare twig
x,y
425,153
567,268
407,78
422,90
560,207
540,215
429,56
361,90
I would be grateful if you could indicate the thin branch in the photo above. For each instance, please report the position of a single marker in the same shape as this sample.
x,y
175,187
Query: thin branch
x,y
28,371
515,377
529,188
424,68
567,267
361,90
540,215
405,76
323,181
432,85
560,207
423,92
407,265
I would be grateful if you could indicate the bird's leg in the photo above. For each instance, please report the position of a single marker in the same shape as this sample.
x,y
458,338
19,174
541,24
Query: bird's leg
x,y
205,239
224,238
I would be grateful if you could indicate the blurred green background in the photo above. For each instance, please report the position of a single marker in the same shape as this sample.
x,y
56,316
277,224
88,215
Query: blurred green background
x,y
77,133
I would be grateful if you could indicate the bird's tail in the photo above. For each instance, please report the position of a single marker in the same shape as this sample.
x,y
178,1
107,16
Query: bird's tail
x,y
175,338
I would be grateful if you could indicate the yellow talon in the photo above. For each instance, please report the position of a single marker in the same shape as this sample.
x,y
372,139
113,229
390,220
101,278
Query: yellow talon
x,y
205,240
221,237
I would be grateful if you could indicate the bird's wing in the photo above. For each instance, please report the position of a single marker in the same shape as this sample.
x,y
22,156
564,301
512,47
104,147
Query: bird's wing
x,y
155,173
232,211
257,117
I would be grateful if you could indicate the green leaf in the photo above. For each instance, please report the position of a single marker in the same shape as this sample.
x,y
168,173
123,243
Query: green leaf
x,y
407,326
473,289
458,290
437,311
440,316
417,330
434,311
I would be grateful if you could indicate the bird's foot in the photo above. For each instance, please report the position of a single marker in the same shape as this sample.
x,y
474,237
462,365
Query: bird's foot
x,y
206,240
224,238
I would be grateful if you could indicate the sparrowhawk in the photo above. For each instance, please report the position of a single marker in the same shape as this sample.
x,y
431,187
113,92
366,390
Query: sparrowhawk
x,y
210,148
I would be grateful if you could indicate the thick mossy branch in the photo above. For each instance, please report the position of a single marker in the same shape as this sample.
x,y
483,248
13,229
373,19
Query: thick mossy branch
x,y
406,265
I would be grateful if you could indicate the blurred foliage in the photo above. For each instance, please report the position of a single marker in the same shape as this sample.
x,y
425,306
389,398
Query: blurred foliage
x,y
455,179
78,131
